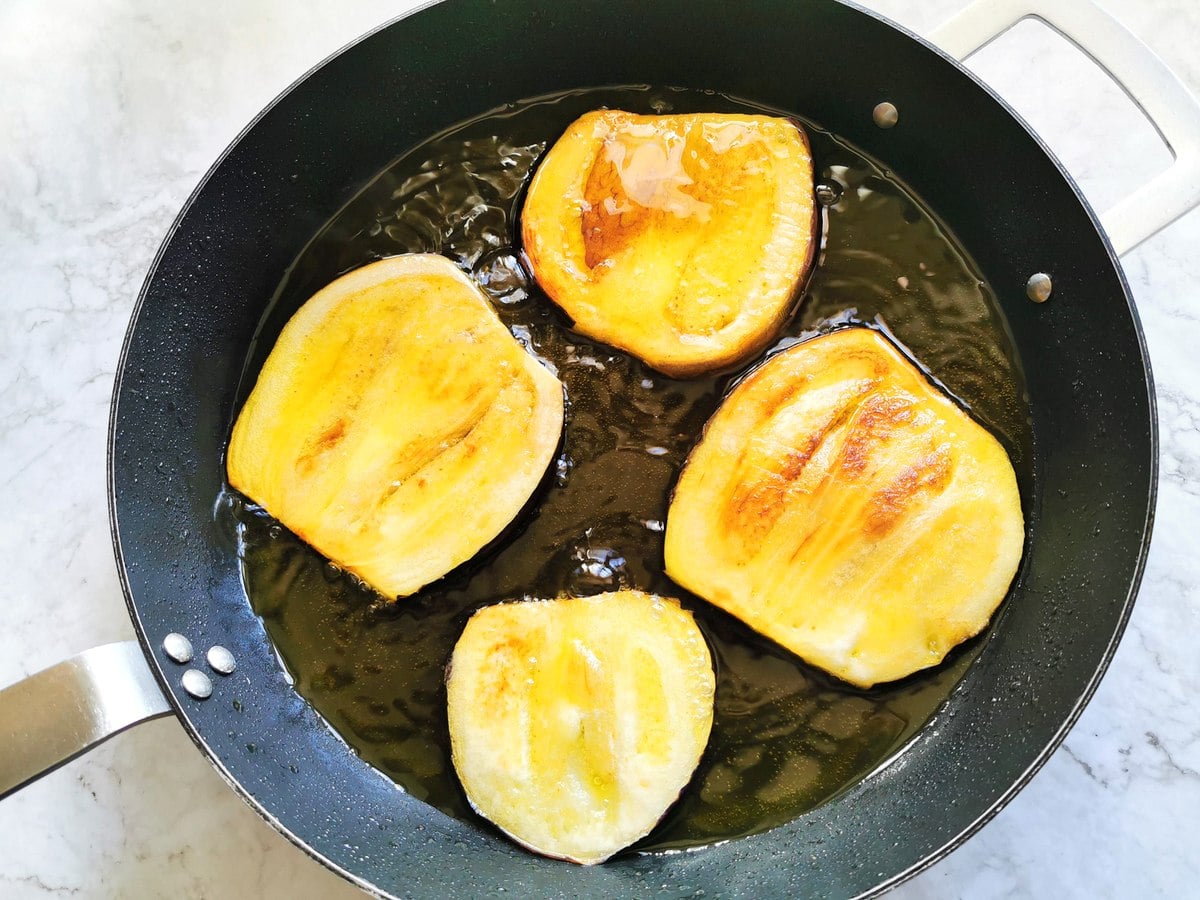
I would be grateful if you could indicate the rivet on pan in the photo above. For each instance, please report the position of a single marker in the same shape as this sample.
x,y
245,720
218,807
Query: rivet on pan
x,y
221,660
886,115
197,684
1038,287
177,647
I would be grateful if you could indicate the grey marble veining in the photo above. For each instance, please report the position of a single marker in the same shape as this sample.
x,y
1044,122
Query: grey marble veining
x,y
110,112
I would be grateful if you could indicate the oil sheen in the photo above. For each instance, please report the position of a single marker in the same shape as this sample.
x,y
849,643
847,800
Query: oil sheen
x,y
785,737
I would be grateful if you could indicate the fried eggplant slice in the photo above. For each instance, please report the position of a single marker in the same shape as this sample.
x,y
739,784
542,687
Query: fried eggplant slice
x,y
681,239
397,426
575,723
844,507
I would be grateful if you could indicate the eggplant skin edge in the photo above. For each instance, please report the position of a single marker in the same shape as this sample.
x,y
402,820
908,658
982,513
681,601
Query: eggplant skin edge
x,y
682,239
397,426
575,723
841,505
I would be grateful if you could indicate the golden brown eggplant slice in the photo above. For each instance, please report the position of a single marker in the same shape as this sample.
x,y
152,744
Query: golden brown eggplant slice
x,y
841,505
397,426
681,239
575,723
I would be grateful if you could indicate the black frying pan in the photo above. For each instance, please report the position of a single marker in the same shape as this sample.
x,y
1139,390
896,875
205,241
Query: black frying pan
x,y
1001,193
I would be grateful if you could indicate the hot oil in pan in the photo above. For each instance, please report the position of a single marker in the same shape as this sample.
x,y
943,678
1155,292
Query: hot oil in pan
x,y
785,737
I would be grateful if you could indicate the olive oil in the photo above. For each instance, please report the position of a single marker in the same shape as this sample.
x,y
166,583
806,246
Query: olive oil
x,y
785,737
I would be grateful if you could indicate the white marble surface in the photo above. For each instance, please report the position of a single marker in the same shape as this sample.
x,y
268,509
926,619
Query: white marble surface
x,y
111,110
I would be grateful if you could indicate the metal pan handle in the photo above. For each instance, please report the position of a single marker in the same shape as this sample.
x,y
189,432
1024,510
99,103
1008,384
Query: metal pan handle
x,y
1166,103
53,716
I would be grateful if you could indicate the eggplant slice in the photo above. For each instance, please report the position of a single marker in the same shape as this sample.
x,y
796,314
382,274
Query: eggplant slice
x,y
681,239
842,506
397,426
575,723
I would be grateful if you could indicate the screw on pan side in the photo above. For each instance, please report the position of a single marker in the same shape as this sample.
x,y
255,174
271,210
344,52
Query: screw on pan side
x,y
177,647
1038,287
886,115
197,684
221,660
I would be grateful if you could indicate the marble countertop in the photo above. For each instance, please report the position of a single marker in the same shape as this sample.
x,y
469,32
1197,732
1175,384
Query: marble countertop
x,y
110,113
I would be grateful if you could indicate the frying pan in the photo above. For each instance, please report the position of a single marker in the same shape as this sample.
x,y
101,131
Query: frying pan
x,y
1003,195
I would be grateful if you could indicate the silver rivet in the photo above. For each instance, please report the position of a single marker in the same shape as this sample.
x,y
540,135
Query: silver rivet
x,y
1038,287
197,684
177,647
221,660
886,115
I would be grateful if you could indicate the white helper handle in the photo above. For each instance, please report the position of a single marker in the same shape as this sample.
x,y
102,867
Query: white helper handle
x,y
1158,93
